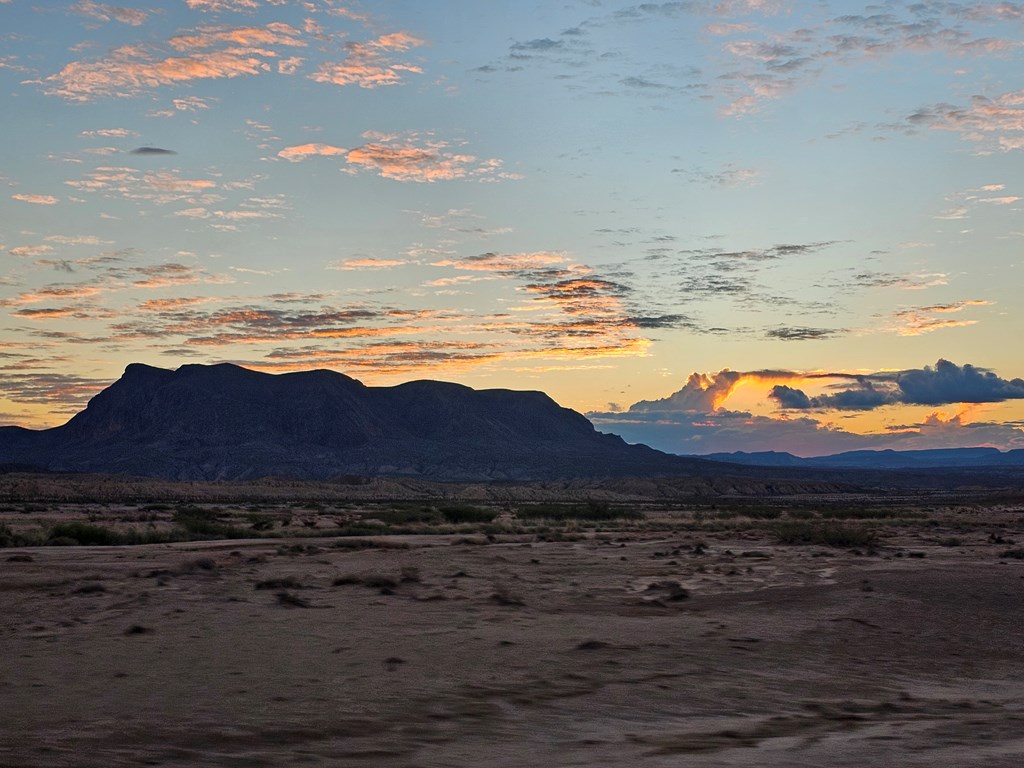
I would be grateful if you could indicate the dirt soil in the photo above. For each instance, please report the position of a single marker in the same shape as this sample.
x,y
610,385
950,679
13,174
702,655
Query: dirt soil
x,y
636,649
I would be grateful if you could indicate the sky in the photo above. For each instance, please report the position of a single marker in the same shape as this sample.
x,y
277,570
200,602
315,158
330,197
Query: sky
x,y
710,226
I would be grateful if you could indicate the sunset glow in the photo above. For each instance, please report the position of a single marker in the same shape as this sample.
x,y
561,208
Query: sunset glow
x,y
709,226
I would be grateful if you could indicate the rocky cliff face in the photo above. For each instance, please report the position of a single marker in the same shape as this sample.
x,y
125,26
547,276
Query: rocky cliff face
x,y
227,422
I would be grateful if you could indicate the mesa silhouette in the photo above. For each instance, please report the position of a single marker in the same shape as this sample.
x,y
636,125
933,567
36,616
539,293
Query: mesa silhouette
x,y
219,422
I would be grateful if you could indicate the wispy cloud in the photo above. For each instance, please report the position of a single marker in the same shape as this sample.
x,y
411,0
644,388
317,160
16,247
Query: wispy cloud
x,y
404,158
370,64
36,199
101,12
353,264
920,320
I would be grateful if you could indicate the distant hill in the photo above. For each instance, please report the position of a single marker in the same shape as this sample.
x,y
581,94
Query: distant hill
x,y
226,422
978,458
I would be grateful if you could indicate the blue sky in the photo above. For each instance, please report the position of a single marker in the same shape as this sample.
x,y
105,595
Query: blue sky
x,y
596,199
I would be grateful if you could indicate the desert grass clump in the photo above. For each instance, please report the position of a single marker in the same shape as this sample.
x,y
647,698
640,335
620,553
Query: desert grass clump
x,y
10,538
825,534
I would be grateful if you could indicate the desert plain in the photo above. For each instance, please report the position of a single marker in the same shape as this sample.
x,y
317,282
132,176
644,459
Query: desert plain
x,y
509,630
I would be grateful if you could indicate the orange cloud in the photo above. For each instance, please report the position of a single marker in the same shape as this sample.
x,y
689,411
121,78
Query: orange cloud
x,y
411,163
219,6
367,64
349,264
130,16
403,159
208,37
36,199
166,305
506,262
302,151
54,292
30,251
133,69
921,320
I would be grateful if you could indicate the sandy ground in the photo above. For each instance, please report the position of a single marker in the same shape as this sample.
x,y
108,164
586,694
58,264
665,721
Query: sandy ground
x,y
512,653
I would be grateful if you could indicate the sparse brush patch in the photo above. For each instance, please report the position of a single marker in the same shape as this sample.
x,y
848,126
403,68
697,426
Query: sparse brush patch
x,y
1013,554
868,513
760,513
801,514
503,596
284,582
195,564
410,574
92,588
261,521
288,600
201,523
369,544
379,581
825,534
346,580
591,510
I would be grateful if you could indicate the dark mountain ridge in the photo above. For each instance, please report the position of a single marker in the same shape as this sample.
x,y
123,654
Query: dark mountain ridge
x,y
929,458
227,422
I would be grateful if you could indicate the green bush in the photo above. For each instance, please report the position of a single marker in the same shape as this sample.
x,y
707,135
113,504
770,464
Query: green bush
x,y
465,513
402,514
85,534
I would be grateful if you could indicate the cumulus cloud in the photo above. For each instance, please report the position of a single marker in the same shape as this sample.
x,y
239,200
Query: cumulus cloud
x,y
950,383
694,420
943,384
